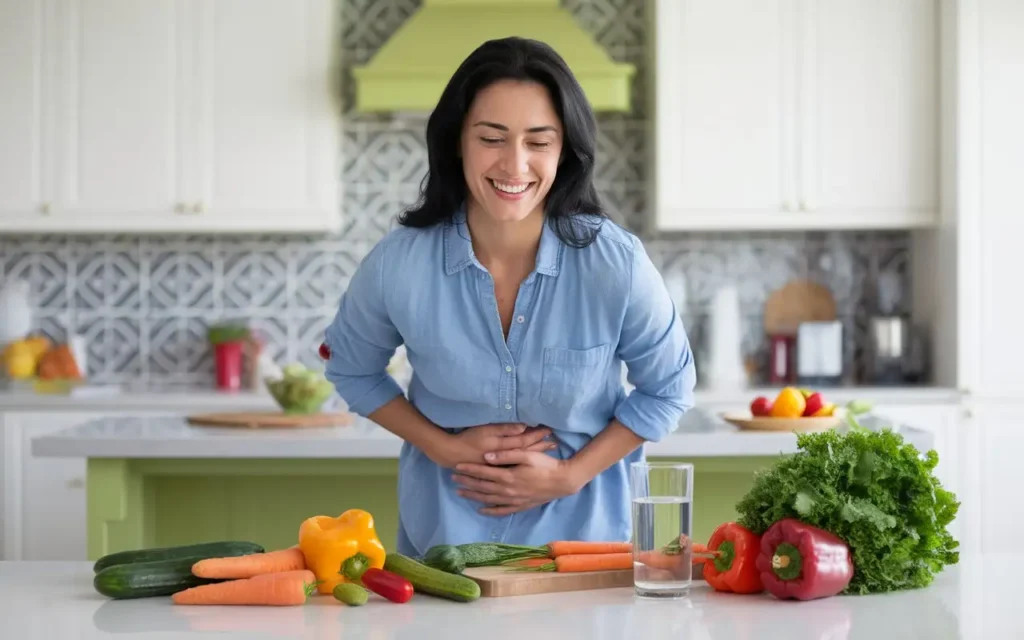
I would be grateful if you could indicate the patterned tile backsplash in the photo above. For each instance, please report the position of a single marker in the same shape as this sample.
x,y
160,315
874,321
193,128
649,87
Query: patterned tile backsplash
x,y
143,303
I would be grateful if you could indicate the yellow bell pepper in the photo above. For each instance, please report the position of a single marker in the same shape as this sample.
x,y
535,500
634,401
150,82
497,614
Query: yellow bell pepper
x,y
327,542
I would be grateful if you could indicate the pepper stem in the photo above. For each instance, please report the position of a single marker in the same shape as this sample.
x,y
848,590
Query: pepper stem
x,y
355,566
787,562
726,554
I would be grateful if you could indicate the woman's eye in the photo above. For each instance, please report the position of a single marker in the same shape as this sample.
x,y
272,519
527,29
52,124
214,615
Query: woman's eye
x,y
541,145
491,140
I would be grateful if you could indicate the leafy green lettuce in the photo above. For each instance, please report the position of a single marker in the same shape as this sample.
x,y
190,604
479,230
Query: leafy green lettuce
x,y
871,489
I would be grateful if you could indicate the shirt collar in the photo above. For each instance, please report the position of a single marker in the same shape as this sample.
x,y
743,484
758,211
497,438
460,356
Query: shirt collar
x,y
458,247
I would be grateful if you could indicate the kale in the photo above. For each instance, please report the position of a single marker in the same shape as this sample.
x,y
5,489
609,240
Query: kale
x,y
873,490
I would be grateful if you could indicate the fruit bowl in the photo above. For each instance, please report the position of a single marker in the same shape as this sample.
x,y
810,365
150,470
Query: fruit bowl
x,y
299,391
749,422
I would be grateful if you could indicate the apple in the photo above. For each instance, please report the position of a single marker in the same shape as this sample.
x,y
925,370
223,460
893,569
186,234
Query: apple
x,y
814,403
761,407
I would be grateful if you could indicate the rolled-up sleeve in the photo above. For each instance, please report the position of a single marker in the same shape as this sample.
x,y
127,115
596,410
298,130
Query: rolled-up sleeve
x,y
656,350
362,339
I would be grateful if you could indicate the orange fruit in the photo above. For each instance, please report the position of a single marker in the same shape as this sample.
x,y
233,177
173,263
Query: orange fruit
x,y
790,403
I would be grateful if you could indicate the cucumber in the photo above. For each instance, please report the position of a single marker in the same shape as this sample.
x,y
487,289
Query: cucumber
x,y
148,579
432,581
445,557
201,551
351,594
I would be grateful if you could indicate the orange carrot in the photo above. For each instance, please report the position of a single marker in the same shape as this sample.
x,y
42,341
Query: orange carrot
x,y
587,562
250,565
660,560
270,589
577,547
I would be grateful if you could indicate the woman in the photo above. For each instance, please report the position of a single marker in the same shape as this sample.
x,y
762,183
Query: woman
x,y
518,302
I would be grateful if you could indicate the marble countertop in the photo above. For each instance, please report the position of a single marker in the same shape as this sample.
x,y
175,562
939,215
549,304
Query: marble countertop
x,y
135,397
699,435
976,599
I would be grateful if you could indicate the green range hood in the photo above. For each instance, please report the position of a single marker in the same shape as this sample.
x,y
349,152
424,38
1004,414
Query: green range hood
x,y
411,69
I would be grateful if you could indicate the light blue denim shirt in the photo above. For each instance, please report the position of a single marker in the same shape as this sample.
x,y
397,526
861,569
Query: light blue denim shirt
x,y
578,317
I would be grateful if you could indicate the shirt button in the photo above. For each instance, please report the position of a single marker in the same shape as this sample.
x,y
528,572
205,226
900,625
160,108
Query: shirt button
x,y
521,319
508,406
508,368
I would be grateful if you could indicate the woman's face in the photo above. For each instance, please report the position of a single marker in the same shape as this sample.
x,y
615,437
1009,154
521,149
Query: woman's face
x,y
511,143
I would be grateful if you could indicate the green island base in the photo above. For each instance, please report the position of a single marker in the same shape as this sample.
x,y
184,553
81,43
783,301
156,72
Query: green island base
x,y
144,503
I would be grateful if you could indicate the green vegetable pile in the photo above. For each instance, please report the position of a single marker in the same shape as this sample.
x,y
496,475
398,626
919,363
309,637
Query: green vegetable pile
x,y
875,492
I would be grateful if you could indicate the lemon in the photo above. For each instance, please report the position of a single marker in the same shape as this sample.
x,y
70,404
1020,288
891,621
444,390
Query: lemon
x,y
21,364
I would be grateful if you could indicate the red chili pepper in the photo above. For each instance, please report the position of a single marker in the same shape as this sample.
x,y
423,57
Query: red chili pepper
x,y
734,568
803,562
387,584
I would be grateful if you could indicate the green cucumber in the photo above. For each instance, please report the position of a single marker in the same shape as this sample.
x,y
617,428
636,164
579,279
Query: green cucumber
x,y
148,579
351,594
445,557
432,581
220,549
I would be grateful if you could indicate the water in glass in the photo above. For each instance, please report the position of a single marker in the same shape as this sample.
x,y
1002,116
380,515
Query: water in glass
x,y
662,525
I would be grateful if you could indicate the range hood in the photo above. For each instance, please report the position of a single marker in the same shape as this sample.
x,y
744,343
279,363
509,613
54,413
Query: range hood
x,y
411,69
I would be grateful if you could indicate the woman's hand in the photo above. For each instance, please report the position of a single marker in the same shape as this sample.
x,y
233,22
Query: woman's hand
x,y
535,479
471,444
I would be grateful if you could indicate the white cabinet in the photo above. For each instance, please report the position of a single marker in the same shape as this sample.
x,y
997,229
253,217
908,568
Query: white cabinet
x,y
170,116
788,114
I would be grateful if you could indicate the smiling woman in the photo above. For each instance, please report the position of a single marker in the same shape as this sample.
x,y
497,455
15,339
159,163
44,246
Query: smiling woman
x,y
518,302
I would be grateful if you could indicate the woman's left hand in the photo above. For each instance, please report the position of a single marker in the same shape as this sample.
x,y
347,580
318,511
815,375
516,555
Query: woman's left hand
x,y
535,479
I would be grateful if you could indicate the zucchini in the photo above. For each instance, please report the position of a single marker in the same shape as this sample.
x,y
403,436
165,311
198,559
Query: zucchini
x,y
432,581
445,557
201,551
148,579
351,594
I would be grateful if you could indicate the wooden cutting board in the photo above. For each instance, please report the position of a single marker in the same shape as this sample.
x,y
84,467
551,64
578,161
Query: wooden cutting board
x,y
270,419
499,582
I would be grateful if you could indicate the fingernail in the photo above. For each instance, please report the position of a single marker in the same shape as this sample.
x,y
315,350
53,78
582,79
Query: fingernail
x,y
488,456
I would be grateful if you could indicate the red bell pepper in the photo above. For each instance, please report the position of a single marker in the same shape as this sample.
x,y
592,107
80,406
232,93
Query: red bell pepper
x,y
802,562
734,567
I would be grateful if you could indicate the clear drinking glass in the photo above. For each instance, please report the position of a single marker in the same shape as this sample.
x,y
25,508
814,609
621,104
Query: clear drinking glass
x,y
662,525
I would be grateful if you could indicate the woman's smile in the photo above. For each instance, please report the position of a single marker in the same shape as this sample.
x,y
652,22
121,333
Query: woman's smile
x,y
511,190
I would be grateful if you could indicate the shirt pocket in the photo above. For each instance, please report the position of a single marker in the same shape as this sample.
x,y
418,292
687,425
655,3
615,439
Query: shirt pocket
x,y
571,376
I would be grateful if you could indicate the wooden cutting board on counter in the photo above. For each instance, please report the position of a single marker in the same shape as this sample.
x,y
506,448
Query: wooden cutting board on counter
x,y
499,582
270,419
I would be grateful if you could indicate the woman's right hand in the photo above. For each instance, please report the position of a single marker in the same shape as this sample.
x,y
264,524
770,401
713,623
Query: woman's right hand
x,y
470,445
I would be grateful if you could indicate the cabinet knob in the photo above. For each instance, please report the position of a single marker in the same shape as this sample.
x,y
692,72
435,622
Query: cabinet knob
x,y
805,205
44,208
180,207
75,483
197,207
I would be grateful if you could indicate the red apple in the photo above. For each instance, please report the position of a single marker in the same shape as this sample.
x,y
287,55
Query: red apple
x,y
761,407
814,404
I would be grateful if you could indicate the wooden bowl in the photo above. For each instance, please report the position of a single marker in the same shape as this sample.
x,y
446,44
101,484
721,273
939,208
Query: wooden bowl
x,y
748,422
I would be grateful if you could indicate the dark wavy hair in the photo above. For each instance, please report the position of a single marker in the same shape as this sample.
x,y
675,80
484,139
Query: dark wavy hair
x,y
572,203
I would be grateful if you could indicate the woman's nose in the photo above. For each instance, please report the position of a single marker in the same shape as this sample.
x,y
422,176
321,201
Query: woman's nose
x,y
515,160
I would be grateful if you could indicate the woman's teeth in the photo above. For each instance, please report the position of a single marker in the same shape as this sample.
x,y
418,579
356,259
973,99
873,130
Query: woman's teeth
x,y
510,188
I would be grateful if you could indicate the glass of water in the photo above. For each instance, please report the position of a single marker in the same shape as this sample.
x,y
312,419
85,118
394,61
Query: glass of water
x,y
662,525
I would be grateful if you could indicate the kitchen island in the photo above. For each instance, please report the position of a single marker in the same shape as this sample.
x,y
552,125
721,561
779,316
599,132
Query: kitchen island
x,y
159,481
969,600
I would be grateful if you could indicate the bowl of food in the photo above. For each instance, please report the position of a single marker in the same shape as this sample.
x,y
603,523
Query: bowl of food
x,y
299,390
792,409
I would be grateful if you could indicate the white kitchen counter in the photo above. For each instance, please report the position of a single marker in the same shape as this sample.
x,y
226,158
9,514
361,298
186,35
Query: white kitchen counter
x,y
976,599
173,437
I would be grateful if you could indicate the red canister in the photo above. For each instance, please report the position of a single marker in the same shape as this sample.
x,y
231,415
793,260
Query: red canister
x,y
227,360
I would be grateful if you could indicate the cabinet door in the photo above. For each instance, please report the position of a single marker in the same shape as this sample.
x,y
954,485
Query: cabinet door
x,y
120,161
723,116
869,111
266,116
25,110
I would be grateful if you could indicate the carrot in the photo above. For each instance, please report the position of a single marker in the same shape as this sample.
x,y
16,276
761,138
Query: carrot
x,y
659,560
577,547
270,589
579,562
250,565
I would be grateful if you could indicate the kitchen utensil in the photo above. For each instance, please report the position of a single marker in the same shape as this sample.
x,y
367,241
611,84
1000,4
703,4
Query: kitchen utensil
x,y
724,367
498,582
819,350
798,301
662,517
888,349
782,359
747,422
270,419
